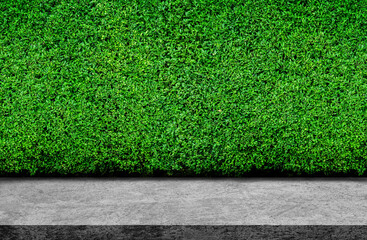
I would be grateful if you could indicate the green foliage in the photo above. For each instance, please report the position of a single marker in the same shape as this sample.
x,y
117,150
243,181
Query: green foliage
x,y
201,86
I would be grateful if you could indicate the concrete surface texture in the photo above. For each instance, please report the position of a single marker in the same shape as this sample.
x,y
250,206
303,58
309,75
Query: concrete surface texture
x,y
183,201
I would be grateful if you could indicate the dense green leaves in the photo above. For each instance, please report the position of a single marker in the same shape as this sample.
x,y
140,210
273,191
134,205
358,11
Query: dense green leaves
x,y
97,87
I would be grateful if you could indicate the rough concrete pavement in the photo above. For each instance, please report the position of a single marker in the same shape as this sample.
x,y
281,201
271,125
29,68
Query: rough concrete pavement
x,y
183,201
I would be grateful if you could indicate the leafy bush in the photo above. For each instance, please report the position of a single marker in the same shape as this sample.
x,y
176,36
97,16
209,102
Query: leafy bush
x,y
193,87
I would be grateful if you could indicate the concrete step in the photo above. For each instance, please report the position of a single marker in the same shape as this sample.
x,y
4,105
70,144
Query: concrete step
x,y
183,201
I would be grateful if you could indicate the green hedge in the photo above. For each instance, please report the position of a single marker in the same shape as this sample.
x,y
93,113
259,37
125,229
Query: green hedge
x,y
195,87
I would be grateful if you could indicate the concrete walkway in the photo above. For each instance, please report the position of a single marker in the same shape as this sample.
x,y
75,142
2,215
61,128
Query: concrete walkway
x,y
183,201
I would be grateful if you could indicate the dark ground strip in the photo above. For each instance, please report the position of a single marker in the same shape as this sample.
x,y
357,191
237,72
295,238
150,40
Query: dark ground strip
x,y
184,232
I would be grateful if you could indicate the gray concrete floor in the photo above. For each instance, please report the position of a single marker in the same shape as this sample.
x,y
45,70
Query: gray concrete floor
x,y
183,201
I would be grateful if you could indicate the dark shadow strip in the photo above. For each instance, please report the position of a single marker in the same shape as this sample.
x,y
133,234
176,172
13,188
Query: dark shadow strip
x,y
162,232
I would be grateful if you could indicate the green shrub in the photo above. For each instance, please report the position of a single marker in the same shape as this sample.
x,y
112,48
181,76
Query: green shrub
x,y
191,86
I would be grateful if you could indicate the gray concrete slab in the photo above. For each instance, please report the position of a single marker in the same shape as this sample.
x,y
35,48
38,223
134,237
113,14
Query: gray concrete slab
x,y
183,201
